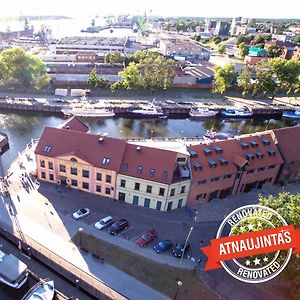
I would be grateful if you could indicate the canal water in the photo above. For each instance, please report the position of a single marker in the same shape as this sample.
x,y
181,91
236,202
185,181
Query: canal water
x,y
22,127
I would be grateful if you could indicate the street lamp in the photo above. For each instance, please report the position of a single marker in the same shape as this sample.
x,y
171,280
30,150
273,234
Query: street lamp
x,y
185,243
80,230
179,284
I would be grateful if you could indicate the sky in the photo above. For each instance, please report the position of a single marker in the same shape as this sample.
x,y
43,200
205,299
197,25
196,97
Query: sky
x,y
196,8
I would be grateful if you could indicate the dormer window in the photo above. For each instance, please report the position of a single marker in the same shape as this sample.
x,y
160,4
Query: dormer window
x,y
253,144
244,145
165,175
47,149
271,152
125,167
207,151
223,161
197,166
139,169
106,161
249,156
259,154
152,172
265,142
212,163
218,149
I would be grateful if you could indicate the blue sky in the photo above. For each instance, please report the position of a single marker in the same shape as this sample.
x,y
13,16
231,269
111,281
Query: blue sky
x,y
213,8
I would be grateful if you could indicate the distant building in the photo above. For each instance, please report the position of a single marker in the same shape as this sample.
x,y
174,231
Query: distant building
x,y
288,48
186,49
86,56
222,28
210,25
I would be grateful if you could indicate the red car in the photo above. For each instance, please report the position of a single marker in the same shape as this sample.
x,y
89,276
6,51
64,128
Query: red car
x,y
146,238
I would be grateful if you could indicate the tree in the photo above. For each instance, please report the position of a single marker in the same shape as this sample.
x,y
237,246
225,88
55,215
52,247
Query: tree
x,y
221,49
244,49
93,22
131,77
224,77
297,39
245,81
94,81
264,82
113,57
274,51
22,69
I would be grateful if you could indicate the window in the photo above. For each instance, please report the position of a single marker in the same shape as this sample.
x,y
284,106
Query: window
x,y
227,176
161,192
180,159
223,161
50,165
85,185
212,163
260,169
165,175
135,200
47,149
244,145
62,168
218,149
215,179
271,167
158,205
123,183
108,178
265,142
249,156
271,152
193,154
253,144
269,180
179,203
99,176
140,170
147,202
250,171
43,175
73,182
107,191
105,161
73,171
182,191
152,172
259,154
98,188
73,159
51,177
149,189
197,166
42,163
85,173
169,207
137,186
125,167
202,181
201,196
172,193
207,151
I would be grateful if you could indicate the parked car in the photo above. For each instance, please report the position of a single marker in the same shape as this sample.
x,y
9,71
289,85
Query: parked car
x,y
104,223
118,226
146,238
81,213
162,246
178,250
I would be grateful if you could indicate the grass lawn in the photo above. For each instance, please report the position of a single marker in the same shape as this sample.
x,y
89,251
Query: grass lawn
x,y
161,277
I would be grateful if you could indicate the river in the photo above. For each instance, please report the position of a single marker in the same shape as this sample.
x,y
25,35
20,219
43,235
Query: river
x,y
21,127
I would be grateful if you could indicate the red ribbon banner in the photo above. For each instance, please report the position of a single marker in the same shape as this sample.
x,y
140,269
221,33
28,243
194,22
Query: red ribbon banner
x,y
252,243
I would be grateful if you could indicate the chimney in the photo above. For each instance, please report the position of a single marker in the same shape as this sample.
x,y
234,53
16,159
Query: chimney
x,y
138,149
101,140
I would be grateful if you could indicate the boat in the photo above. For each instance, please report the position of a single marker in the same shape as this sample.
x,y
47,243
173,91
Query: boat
x,y
147,111
87,110
43,290
236,112
199,112
291,114
210,134
13,272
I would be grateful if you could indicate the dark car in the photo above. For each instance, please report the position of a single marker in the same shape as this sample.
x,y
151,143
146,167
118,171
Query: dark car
x,y
178,250
146,238
118,226
162,246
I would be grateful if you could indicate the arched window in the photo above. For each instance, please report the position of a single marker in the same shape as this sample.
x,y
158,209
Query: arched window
x,y
73,159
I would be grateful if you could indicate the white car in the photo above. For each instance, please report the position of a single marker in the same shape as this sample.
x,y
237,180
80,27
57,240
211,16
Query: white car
x,y
81,213
103,223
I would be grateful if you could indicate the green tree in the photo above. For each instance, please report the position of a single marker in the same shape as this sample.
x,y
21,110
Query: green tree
x,y
23,69
274,51
113,57
94,81
221,49
245,81
244,49
297,39
224,77
264,82
131,77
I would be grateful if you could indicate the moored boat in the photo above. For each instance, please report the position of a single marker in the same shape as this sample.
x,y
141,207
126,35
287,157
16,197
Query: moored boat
x,y
148,111
202,112
13,272
291,114
87,110
43,290
236,112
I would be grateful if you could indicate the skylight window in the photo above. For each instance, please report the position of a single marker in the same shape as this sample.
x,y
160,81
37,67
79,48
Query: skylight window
x,y
223,161
47,149
193,153
253,144
244,145
265,142
197,166
105,161
259,154
218,149
271,152
152,172
139,169
249,156
125,166
165,175
212,163
207,151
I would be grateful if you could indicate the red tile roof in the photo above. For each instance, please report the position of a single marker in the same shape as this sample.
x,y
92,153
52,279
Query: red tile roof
x,y
288,142
149,158
234,154
83,145
75,124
